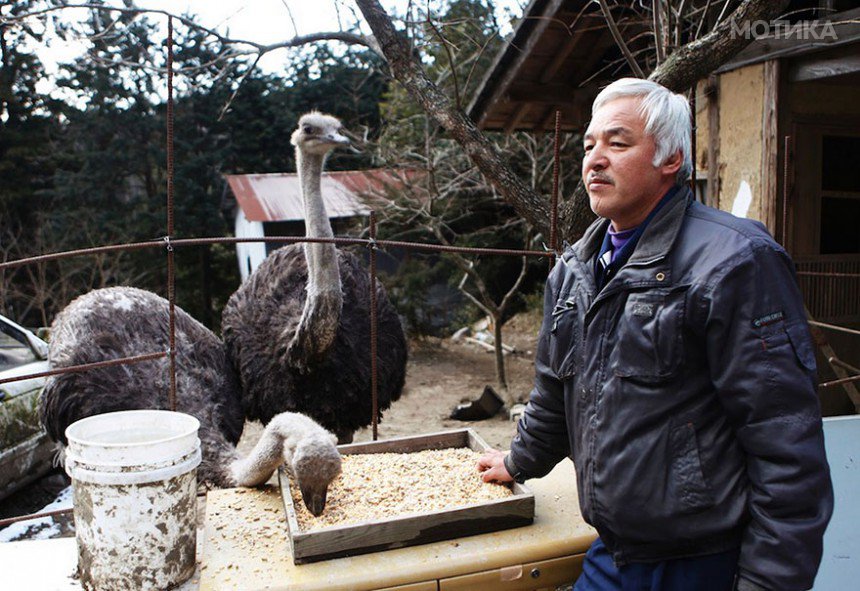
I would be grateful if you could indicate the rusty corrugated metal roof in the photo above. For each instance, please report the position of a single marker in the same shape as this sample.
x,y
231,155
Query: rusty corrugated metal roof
x,y
277,197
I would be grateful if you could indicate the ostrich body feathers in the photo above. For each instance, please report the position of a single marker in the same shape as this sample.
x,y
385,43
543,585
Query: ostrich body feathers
x,y
335,388
121,322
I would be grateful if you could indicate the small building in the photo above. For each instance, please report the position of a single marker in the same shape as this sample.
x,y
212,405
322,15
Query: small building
x,y
271,205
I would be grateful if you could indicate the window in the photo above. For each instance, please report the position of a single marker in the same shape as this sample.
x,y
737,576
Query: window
x,y
840,194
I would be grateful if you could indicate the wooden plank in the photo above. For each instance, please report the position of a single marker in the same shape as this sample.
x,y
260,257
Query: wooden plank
x,y
821,68
374,536
411,443
770,150
713,94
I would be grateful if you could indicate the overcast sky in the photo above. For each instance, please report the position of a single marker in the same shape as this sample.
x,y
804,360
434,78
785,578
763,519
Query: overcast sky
x,y
266,21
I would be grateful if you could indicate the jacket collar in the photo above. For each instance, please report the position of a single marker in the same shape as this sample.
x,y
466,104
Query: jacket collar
x,y
656,240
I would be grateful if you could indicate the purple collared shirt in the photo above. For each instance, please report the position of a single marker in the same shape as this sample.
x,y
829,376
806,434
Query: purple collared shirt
x,y
619,239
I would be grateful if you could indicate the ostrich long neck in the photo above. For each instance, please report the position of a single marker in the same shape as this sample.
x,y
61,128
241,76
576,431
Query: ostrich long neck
x,y
321,314
322,258
264,459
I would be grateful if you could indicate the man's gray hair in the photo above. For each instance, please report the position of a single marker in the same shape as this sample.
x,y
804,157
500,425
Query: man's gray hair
x,y
667,119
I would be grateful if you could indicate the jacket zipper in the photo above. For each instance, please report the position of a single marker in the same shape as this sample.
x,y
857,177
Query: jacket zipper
x,y
597,519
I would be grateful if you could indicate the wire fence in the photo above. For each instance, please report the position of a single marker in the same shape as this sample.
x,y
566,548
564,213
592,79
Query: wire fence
x,y
170,245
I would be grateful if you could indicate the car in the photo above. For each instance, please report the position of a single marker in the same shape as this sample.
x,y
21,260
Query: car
x,y
26,453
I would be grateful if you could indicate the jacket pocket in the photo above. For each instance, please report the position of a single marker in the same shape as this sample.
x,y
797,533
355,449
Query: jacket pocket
x,y
649,339
686,470
563,337
798,334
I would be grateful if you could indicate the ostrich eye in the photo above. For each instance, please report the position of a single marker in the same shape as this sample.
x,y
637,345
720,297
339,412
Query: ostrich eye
x,y
308,129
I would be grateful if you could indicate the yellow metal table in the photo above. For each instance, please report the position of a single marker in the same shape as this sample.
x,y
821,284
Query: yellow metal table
x,y
246,548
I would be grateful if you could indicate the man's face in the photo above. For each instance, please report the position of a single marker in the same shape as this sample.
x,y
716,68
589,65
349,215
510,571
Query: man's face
x,y
623,184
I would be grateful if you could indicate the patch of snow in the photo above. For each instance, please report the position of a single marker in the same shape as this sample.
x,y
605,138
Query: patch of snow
x,y
39,529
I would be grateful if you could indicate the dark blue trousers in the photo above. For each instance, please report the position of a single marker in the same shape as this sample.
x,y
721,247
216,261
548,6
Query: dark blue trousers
x,y
714,572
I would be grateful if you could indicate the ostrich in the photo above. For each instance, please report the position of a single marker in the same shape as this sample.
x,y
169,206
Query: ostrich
x,y
298,330
122,322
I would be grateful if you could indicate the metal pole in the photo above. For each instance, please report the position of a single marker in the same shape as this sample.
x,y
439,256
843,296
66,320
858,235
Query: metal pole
x,y
553,220
373,322
171,283
785,191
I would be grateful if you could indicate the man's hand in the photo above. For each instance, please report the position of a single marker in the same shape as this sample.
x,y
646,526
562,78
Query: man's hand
x,y
492,464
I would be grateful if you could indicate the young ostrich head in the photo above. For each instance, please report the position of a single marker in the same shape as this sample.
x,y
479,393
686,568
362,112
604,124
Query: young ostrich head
x,y
315,467
317,134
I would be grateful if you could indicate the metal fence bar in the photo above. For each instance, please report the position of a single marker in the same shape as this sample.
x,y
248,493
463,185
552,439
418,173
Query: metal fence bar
x,y
87,366
840,381
834,327
171,271
343,241
11,520
374,393
556,165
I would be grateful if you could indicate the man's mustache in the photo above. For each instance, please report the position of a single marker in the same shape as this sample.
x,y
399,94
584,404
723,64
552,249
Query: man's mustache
x,y
603,178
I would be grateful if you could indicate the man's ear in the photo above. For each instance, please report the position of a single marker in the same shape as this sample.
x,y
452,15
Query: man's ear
x,y
672,164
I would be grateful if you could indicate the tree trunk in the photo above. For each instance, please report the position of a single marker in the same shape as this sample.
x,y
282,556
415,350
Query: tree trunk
x,y
501,378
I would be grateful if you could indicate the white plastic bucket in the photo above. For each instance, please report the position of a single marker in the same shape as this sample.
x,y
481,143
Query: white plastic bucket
x,y
134,487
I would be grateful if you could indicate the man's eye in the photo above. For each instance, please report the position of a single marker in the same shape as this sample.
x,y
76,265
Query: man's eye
x,y
588,148
618,144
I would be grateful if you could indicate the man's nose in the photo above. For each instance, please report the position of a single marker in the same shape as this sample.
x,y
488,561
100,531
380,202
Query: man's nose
x,y
596,158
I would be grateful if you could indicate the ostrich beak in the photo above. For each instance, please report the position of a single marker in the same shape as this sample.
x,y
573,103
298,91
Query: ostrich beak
x,y
336,139
314,500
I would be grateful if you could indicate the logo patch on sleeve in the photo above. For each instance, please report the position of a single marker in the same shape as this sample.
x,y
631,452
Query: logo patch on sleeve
x,y
768,319
643,310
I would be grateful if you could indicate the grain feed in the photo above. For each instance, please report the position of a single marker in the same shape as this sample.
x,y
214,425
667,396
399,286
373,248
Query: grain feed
x,y
381,486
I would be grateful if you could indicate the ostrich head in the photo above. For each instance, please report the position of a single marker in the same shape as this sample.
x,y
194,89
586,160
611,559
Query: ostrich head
x,y
318,134
315,465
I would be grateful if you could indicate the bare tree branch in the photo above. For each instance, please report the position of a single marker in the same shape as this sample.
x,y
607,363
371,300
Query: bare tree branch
x,y
619,40
658,31
451,64
408,71
697,59
259,48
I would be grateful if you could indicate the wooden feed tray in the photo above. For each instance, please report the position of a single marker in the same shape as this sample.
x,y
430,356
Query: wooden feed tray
x,y
375,535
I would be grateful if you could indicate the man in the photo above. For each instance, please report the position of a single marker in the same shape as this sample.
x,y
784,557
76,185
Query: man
x,y
675,367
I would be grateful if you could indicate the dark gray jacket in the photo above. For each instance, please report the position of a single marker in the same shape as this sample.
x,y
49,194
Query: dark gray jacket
x,y
685,394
